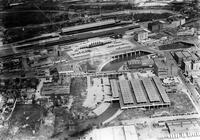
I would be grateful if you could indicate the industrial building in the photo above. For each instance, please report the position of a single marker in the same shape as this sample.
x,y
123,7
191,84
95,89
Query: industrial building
x,y
138,90
196,65
81,32
147,92
173,22
160,68
187,65
97,46
165,68
189,61
64,69
140,35
101,28
62,87
186,32
178,56
140,63
115,89
155,26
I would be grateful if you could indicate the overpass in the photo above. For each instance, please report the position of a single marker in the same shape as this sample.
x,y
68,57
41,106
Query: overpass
x,y
104,73
135,52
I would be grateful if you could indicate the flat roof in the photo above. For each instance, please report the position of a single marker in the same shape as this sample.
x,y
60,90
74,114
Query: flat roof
x,y
66,67
106,81
151,90
126,92
194,56
95,24
155,23
115,28
161,90
138,91
186,54
135,62
50,88
115,88
107,29
140,31
179,54
160,63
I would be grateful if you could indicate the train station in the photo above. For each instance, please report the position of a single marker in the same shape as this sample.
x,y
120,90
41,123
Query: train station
x,y
135,93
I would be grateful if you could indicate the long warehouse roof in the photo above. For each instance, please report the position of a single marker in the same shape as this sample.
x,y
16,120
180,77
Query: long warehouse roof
x,y
115,88
96,24
138,91
186,54
161,90
126,92
151,91
179,54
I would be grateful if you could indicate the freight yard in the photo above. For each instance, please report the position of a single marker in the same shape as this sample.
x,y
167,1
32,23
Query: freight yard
x,y
79,70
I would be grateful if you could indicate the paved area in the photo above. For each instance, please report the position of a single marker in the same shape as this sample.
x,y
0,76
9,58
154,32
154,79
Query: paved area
x,y
113,108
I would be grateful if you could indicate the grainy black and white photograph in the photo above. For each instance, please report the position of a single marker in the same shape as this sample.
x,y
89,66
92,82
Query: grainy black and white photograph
x,y
99,69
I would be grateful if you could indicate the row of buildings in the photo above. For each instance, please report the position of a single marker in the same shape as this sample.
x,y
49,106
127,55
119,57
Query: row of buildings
x,y
156,26
162,67
140,63
189,61
190,64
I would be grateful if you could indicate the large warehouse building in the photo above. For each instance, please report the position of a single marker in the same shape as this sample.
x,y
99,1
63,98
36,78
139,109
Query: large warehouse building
x,y
147,92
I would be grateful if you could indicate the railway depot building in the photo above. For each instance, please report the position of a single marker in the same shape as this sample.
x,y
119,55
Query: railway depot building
x,y
135,93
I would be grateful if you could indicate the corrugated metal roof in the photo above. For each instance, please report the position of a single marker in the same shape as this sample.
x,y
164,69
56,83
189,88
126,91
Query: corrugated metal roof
x,y
79,27
138,91
126,92
115,88
151,91
161,90
179,54
186,54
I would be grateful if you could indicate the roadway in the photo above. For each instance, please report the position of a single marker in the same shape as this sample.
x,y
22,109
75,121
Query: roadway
x,y
106,115
190,92
31,74
189,89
